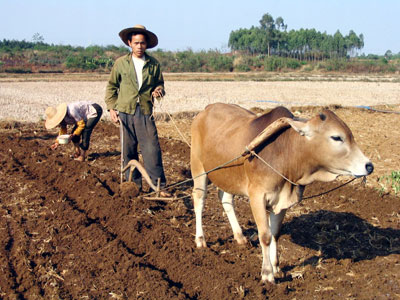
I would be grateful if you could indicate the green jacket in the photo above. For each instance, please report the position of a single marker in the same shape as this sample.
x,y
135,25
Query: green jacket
x,y
122,92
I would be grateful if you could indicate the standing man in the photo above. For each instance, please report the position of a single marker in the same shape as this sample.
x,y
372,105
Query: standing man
x,y
135,80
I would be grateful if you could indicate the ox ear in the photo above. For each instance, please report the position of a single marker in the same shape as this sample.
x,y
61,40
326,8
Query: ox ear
x,y
302,127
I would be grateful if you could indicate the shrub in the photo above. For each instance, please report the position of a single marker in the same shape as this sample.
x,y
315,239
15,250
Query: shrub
x,y
219,62
274,63
335,65
242,68
189,61
293,63
393,180
18,70
88,63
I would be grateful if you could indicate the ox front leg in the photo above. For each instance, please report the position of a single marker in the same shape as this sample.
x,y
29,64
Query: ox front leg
x,y
227,203
199,196
259,211
275,223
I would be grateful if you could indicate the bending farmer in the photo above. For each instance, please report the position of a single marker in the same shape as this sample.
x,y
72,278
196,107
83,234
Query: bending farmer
x,y
83,115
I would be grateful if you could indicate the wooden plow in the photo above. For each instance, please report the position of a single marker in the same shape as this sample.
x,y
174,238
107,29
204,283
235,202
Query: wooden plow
x,y
134,164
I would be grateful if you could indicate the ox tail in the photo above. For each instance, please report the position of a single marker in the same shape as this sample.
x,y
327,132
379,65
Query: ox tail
x,y
220,194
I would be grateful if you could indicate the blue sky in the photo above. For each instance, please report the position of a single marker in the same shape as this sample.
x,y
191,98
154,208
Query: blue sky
x,y
199,25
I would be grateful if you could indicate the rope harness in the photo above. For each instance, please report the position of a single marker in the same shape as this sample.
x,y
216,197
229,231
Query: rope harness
x,y
273,169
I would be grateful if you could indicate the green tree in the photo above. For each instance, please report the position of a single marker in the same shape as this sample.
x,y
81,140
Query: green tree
x,y
272,38
280,34
37,38
340,45
268,26
388,54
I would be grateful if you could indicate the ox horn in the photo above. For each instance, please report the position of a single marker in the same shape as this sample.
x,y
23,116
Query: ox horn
x,y
266,133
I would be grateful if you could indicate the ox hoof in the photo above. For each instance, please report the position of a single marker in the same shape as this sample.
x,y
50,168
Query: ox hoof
x,y
200,242
268,279
279,274
240,239
276,269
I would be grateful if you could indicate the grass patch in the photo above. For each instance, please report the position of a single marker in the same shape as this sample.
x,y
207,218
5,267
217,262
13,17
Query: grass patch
x,y
390,183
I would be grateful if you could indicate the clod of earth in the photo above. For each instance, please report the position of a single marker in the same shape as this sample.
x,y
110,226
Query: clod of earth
x,y
129,189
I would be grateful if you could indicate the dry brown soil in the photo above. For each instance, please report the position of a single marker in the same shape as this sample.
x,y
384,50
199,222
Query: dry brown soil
x,y
67,232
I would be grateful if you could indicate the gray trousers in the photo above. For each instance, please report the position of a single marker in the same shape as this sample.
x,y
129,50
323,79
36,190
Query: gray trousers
x,y
140,130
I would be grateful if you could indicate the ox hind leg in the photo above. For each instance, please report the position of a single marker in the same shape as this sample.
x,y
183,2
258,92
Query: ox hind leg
x,y
228,205
275,223
199,195
258,208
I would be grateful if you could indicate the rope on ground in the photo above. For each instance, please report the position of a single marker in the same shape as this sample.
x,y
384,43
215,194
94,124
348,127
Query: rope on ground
x,y
378,110
190,179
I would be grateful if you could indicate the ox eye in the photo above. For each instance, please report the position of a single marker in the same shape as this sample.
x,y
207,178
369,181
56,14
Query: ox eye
x,y
337,138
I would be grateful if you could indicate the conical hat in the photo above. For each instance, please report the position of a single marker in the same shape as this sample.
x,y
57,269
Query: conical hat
x,y
54,115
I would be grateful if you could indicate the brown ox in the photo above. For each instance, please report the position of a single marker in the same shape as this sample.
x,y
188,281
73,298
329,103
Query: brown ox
x,y
318,149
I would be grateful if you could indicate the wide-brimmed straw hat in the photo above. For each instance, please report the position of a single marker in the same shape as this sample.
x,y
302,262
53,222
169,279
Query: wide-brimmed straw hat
x,y
54,115
152,39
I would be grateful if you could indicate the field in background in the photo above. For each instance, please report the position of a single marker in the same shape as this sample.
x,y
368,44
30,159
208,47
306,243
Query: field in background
x,y
226,76
25,97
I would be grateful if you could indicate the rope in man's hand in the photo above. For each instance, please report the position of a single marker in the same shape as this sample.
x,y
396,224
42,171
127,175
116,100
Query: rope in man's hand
x,y
172,119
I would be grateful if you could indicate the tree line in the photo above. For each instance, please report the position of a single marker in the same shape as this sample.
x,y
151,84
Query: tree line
x,y
268,47
272,38
27,57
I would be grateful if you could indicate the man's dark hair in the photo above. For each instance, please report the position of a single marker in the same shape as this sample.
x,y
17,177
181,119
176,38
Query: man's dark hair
x,y
136,33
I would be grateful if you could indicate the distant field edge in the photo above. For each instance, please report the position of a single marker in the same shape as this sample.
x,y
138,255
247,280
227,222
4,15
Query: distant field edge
x,y
232,76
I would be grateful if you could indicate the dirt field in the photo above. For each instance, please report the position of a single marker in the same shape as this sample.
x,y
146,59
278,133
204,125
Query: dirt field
x,y
68,232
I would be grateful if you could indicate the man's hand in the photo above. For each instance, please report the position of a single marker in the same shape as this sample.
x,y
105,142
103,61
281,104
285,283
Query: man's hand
x,y
158,92
114,116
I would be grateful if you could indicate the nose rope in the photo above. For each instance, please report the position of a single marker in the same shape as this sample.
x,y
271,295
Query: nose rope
x,y
335,188
288,180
